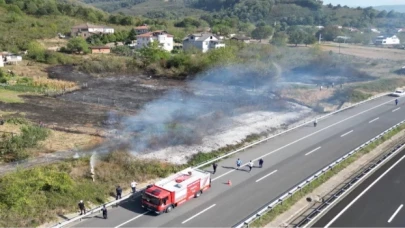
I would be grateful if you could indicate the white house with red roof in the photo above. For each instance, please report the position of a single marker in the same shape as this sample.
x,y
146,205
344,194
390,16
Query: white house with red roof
x,y
164,40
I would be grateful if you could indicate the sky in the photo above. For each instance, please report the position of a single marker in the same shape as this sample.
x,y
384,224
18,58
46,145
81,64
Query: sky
x,y
365,2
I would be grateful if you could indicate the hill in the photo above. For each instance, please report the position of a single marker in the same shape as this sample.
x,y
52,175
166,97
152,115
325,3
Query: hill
x,y
397,8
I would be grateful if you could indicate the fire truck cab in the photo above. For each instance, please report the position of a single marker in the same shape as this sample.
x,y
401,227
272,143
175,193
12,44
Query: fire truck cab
x,y
175,190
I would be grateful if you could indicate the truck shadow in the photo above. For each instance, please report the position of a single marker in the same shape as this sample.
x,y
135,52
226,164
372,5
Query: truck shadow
x,y
134,205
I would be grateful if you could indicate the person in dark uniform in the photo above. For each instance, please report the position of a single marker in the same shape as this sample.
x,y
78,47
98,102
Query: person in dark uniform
x,y
82,207
261,162
214,166
104,210
119,192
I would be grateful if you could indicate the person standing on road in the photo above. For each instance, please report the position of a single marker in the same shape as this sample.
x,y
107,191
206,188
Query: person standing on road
x,y
133,186
396,101
315,122
119,192
250,165
104,210
261,162
82,207
238,163
214,166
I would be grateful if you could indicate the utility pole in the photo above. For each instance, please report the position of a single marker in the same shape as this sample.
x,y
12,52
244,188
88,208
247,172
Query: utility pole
x,y
320,38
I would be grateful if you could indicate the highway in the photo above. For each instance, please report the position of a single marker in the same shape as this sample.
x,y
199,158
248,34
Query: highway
x,y
288,159
376,202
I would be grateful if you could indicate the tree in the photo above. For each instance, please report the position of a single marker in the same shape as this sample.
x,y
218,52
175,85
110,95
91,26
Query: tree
x,y
296,37
153,53
32,8
132,35
78,45
309,38
262,32
279,39
382,14
36,51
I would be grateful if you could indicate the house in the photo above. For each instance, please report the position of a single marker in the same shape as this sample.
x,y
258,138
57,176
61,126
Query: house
x,y
202,41
400,30
87,30
387,40
243,39
1,61
164,40
9,58
341,39
100,50
374,30
142,29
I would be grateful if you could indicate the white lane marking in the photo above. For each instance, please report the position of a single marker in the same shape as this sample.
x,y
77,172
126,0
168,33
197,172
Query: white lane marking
x,y
395,213
131,219
346,133
374,120
310,152
291,143
266,176
364,192
396,109
199,213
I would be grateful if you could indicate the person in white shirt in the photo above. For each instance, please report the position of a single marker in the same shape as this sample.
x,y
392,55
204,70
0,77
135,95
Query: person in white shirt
x,y
133,186
250,165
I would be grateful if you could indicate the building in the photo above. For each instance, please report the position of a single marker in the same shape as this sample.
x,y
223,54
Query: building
x,y
164,40
100,50
202,41
86,30
142,29
342,39
387,40
1,61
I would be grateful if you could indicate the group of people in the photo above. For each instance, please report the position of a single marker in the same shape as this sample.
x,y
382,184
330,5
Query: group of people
x,y
118,191
238,165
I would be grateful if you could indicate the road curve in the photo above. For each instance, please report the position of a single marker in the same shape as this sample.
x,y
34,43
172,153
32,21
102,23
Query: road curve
x,y
288,159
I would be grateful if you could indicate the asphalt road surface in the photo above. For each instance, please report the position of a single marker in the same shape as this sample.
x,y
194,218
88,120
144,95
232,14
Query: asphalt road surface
x,y
288,160
377,202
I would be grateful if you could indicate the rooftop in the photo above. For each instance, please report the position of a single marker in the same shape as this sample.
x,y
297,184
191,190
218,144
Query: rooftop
x,y
171,184
88,25
100,47
142,27
154,33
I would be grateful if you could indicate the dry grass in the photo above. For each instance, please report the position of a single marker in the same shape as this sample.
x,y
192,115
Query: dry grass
x,y
366,52
33,70
7,127
9,96
54,84
62,141
53,44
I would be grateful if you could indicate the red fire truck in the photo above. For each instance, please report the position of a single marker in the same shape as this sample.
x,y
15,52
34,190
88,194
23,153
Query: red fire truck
x,y
172,191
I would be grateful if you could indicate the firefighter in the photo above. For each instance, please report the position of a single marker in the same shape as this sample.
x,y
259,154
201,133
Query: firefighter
x,y
261,162
119,192
315,122
238,163
396,101
214,166
104,210
133,186
250,165
82,207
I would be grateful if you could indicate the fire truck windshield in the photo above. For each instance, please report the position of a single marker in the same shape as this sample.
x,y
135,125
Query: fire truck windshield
x,y
151,199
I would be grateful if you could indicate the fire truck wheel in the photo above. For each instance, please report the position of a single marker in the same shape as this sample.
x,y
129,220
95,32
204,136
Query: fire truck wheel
x,y
198,194
169,209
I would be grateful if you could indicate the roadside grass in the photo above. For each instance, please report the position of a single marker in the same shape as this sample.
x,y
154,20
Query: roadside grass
x,y
8,96
279,209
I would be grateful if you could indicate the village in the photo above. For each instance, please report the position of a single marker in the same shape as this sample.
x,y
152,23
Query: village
x,y
202,41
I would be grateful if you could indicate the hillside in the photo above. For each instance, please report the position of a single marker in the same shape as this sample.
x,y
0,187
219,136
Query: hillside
x,y
397,8
285,12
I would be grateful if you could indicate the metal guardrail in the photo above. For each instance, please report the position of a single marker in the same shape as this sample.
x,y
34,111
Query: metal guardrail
x,y
352,183
115,202
256,215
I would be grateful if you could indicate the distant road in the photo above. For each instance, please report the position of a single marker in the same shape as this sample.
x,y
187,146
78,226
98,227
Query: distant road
x,y
377,202
288,160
